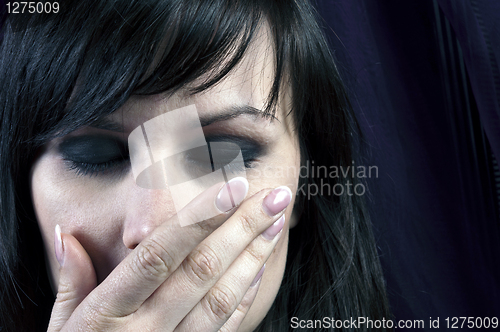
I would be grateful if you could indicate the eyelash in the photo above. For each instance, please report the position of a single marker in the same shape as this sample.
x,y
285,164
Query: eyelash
x,y
118,166
112,167
248,163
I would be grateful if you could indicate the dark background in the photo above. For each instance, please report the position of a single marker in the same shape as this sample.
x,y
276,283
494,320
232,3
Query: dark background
x,y
424,80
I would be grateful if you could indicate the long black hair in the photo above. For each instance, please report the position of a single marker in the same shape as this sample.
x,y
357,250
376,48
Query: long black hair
x,y
59,72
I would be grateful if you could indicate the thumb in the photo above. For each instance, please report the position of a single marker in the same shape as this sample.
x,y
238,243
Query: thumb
x,y
76,278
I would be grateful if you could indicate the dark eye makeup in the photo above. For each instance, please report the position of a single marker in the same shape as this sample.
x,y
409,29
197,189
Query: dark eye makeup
x,y
223,150
90,155
102,155
250,150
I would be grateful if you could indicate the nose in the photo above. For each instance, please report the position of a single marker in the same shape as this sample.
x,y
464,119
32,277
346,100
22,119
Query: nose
x,y
146,209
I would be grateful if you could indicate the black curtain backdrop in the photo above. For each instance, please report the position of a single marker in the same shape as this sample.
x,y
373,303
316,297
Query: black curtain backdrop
x,y
424,79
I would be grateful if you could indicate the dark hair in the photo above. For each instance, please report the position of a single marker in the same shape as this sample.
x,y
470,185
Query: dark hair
x,y
61,71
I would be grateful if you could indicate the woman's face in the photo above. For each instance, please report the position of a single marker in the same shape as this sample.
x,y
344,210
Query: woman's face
x,y
110,214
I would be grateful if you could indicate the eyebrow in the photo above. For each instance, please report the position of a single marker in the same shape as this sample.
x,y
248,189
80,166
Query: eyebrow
x,y
234,112
227,113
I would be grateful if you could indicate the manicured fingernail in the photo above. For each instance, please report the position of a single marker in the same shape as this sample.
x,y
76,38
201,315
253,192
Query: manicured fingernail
x,y
258,276
232,194
58,245
274,229
277,200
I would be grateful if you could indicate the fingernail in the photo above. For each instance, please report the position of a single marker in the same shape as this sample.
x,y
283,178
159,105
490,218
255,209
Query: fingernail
x,y
274,229
58,245
258,276
277,200
232,194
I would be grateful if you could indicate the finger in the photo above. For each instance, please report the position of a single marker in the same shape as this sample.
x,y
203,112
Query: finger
x,y
205,265
76,279
157,256
234,322
221,301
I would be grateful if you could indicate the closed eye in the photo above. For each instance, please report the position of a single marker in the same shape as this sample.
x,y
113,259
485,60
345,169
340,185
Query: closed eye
x,y
92,155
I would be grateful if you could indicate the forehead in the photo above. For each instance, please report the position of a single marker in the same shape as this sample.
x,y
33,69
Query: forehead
x,y
249,83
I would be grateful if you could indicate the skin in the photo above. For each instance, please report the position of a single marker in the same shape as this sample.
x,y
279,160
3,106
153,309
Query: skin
x,y
106,221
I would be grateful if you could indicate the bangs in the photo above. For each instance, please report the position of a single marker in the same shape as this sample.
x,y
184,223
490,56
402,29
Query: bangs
x,y
108,51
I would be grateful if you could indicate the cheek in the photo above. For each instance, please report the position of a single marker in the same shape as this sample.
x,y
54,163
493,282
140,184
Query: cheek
x,y
88,212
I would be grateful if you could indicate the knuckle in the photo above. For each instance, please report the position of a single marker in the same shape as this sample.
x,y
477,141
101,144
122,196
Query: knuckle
x,y
246,302
65,293
206,226
236,317
224,328
221,302
256,256
249,224
153,261
204,265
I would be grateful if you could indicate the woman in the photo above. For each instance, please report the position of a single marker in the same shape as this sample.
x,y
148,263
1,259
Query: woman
x,y
75,85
